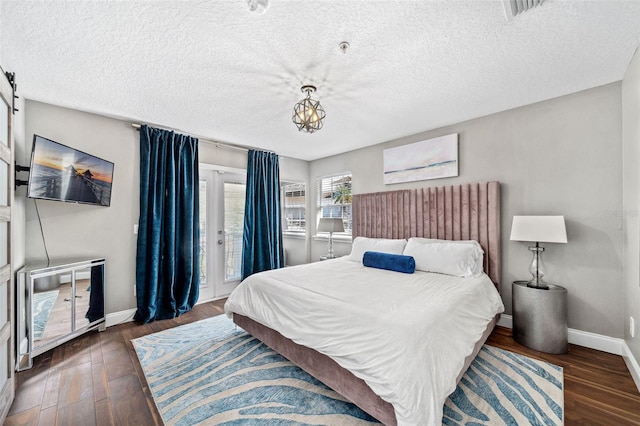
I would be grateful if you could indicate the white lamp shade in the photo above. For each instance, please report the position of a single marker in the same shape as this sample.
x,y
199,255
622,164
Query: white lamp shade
x,y
330,224
543,229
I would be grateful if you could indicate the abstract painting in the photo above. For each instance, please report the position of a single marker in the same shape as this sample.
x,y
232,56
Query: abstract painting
x,y
431,159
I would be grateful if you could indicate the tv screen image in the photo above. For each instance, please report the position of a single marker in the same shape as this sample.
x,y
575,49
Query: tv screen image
x,y
62,173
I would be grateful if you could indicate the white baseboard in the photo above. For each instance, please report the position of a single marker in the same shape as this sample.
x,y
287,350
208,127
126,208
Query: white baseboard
x,y
632,365
120,317
505,321
599,342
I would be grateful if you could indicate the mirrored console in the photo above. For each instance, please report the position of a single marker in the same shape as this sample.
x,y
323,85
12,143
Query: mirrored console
x,y
56,302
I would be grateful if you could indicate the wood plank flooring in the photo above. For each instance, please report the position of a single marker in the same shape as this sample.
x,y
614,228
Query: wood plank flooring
x,y
96,379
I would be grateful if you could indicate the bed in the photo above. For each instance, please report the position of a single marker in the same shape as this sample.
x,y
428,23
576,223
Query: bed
x,y
380,368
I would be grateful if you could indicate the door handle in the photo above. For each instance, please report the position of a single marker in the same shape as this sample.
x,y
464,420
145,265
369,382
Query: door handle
x,y
219,241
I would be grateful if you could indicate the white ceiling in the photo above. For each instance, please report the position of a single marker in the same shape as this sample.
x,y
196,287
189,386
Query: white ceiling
x,y
215,70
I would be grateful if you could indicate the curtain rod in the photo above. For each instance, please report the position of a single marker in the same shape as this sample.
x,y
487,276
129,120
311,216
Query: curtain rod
x,y
217,144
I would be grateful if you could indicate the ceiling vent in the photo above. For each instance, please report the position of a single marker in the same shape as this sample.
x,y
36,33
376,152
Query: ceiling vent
x,y
513,8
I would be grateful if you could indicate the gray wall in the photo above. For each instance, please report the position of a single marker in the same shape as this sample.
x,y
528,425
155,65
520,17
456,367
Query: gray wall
x,y
562,156
75,230
559,157
631,200
298,247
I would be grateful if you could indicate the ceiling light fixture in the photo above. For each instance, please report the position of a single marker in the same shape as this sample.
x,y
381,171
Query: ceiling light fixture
x,y
308,113
258,6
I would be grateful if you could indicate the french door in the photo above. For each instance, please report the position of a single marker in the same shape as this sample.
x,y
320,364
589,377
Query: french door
x,y
222,198
7,316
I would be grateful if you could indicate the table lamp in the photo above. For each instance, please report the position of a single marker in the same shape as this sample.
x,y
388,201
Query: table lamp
x,y
330,225
538,229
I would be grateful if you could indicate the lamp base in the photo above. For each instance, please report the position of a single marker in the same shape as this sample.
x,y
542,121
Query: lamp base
x,y
330,254
537,268
539,286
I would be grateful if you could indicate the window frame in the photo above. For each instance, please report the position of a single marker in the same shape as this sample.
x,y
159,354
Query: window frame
x,y
320,206
293,232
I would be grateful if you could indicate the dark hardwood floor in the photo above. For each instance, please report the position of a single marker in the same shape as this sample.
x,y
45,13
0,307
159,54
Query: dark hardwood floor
x,y
97,379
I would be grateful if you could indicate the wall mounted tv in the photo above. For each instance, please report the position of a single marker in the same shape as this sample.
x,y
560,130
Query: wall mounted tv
x,y
61,173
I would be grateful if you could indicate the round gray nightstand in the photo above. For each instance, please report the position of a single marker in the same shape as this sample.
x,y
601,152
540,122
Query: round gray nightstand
x,y
540,317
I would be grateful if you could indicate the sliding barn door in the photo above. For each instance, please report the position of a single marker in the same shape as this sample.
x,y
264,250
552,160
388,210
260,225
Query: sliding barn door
x,y
7,316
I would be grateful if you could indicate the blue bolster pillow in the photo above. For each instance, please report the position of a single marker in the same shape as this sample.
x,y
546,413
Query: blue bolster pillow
x,y
390,262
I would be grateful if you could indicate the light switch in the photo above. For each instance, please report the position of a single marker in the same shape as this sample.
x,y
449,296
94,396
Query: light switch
x,y
135,229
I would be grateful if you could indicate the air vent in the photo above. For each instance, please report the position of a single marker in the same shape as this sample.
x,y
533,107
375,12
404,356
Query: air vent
x,y
513,8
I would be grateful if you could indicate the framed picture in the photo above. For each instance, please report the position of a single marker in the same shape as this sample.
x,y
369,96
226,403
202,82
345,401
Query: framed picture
x,y
431,159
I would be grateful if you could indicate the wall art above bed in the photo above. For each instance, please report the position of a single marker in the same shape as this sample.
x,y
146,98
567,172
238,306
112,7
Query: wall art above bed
x,y
430,159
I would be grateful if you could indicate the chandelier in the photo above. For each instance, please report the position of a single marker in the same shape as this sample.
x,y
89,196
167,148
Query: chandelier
x,y
308,113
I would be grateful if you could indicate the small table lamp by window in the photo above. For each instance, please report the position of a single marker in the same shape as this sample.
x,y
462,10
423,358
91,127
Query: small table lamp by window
x,y
330,225
538,229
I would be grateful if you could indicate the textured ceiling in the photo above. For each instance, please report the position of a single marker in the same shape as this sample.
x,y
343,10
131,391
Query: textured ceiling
x,y
216,70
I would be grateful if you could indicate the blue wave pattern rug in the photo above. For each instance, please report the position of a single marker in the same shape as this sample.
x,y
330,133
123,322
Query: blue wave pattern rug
x,y
42,304
210,372
504,388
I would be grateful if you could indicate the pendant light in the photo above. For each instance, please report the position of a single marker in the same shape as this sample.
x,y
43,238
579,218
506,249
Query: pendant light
x,y
308,113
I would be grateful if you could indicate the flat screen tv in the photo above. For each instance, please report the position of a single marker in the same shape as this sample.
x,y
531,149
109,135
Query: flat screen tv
x,y
62,173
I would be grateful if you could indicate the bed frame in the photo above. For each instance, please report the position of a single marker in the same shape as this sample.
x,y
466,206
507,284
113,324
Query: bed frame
x,y
460,212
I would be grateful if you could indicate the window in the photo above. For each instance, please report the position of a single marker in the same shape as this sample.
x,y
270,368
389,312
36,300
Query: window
x,y
334,198
294,202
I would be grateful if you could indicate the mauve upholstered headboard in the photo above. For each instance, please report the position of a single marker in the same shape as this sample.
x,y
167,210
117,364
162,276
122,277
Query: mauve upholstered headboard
x,y
456,212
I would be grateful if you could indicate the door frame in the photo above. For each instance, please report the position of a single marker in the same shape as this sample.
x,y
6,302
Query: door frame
x,y
214,176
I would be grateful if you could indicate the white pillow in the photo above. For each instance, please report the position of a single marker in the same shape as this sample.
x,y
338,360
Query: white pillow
x,y
362,244
458,258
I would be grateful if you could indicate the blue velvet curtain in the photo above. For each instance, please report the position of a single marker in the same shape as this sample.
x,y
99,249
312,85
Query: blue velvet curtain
x,y
167,261
262,237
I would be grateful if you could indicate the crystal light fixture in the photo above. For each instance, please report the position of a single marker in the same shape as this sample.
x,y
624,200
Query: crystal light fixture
x,y
308,113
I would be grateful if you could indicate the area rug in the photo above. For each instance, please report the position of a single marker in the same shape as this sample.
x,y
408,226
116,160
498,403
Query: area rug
x,y
42,304
211,372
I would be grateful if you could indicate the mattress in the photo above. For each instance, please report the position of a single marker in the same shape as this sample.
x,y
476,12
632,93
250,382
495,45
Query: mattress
x,y
405,335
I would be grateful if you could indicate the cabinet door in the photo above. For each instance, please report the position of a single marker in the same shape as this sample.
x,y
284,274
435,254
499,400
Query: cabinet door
x,y
6,274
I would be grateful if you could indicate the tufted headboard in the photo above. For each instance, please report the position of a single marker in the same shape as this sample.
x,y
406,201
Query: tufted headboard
x,y
455,212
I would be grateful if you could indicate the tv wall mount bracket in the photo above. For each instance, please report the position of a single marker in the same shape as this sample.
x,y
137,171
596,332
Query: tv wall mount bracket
x,y
18,169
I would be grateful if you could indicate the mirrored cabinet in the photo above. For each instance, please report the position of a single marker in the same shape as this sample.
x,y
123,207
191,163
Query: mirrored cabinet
x,y
57,301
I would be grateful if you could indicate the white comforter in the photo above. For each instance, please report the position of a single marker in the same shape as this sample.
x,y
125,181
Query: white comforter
x,y
405,335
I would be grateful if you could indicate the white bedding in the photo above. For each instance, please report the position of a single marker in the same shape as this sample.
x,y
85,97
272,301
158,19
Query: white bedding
x,y
405,335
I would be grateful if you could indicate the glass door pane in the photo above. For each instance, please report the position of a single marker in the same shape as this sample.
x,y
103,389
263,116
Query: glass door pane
x,y
234,200
207,235
3,306
4,124
4,243
4,360
203,232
